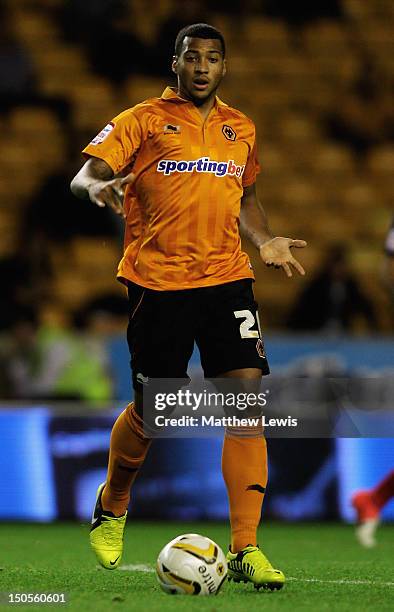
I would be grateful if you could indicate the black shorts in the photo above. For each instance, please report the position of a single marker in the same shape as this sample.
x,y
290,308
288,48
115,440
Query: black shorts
x,y
222,320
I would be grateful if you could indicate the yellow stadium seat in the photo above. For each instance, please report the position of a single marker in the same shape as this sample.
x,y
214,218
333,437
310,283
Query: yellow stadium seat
x,y
333,161
34,28
274,160
96,254
265,35
380,161
326,38
34,119
140,88
93,104
298,128
300,191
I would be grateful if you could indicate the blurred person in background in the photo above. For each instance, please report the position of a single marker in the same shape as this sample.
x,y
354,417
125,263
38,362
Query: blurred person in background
x,y
103,316
369,503
27,272
105,30
19,84
116,52
303,11
364,114
333,300
53,363
80,20
20,284
183,12
17,72
61,222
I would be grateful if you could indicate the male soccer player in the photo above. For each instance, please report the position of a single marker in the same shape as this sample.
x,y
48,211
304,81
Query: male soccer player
x,y
368,504
192,186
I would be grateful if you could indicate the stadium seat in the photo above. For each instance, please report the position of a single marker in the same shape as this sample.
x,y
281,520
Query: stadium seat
x,y
32,26
140,88
274,160
332,161
326,38
93,104
380,161
266,37
99,256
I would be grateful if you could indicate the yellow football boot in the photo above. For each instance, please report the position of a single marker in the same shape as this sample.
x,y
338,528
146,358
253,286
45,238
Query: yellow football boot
x,y
250,565
106,534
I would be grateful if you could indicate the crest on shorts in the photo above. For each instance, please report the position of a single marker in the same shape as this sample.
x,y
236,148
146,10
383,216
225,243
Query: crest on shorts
x,y
169,128
260,349
228,132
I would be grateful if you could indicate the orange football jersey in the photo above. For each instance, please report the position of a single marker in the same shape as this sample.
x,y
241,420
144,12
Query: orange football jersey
x,y
182,225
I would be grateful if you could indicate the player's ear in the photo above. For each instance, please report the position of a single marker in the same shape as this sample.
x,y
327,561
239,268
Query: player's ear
x,y
174,65
224,68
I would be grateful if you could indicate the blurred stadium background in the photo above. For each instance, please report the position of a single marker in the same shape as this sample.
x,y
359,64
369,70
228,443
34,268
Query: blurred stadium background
x,y
318,82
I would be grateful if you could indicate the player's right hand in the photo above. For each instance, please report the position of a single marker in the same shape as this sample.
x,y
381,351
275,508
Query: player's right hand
x,y
110,193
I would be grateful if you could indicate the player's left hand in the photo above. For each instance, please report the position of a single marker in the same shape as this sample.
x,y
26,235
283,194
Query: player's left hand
x,y
276,252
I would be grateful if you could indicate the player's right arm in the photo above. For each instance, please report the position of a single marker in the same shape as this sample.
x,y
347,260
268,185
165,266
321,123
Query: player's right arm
x,y
95,182
109,153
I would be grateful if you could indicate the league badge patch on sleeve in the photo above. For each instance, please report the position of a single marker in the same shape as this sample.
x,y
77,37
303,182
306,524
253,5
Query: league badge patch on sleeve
x,y
103,134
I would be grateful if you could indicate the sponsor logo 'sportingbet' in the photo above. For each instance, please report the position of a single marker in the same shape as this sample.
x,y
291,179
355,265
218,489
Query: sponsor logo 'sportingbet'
x,y
203,164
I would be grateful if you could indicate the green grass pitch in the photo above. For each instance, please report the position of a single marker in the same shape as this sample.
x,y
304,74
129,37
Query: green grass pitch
x,y
325,569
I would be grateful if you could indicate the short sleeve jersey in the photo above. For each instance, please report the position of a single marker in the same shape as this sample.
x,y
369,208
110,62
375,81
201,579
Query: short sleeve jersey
x,y
182,225
389,244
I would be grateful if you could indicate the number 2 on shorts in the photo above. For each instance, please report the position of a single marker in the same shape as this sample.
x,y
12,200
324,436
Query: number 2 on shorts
x,y
246,325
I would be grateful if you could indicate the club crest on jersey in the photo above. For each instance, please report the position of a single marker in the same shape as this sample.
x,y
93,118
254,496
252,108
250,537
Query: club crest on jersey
x,y
172,129
203,164
103,134
229,132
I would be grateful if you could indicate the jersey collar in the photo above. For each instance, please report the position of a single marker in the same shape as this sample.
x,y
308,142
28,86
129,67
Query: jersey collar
x,y
170,94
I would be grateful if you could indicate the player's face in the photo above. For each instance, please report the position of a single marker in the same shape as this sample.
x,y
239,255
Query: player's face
x,y
200,67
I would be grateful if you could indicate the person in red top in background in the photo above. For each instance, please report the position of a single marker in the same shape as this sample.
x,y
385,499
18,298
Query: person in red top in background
x,y
368,504
191,165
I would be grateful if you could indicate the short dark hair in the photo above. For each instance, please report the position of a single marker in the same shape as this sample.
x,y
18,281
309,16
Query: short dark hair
x,y
199,30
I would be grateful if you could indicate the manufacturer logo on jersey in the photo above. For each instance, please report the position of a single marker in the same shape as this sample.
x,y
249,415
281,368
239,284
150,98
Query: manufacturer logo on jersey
x,y
103,134
229,132
172,129
203,164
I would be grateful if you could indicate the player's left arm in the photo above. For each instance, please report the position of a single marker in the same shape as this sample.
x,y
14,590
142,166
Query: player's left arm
x,y
274,250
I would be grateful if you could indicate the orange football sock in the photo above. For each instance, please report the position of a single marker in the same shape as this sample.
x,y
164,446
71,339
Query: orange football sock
x,y
245,472
128,449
